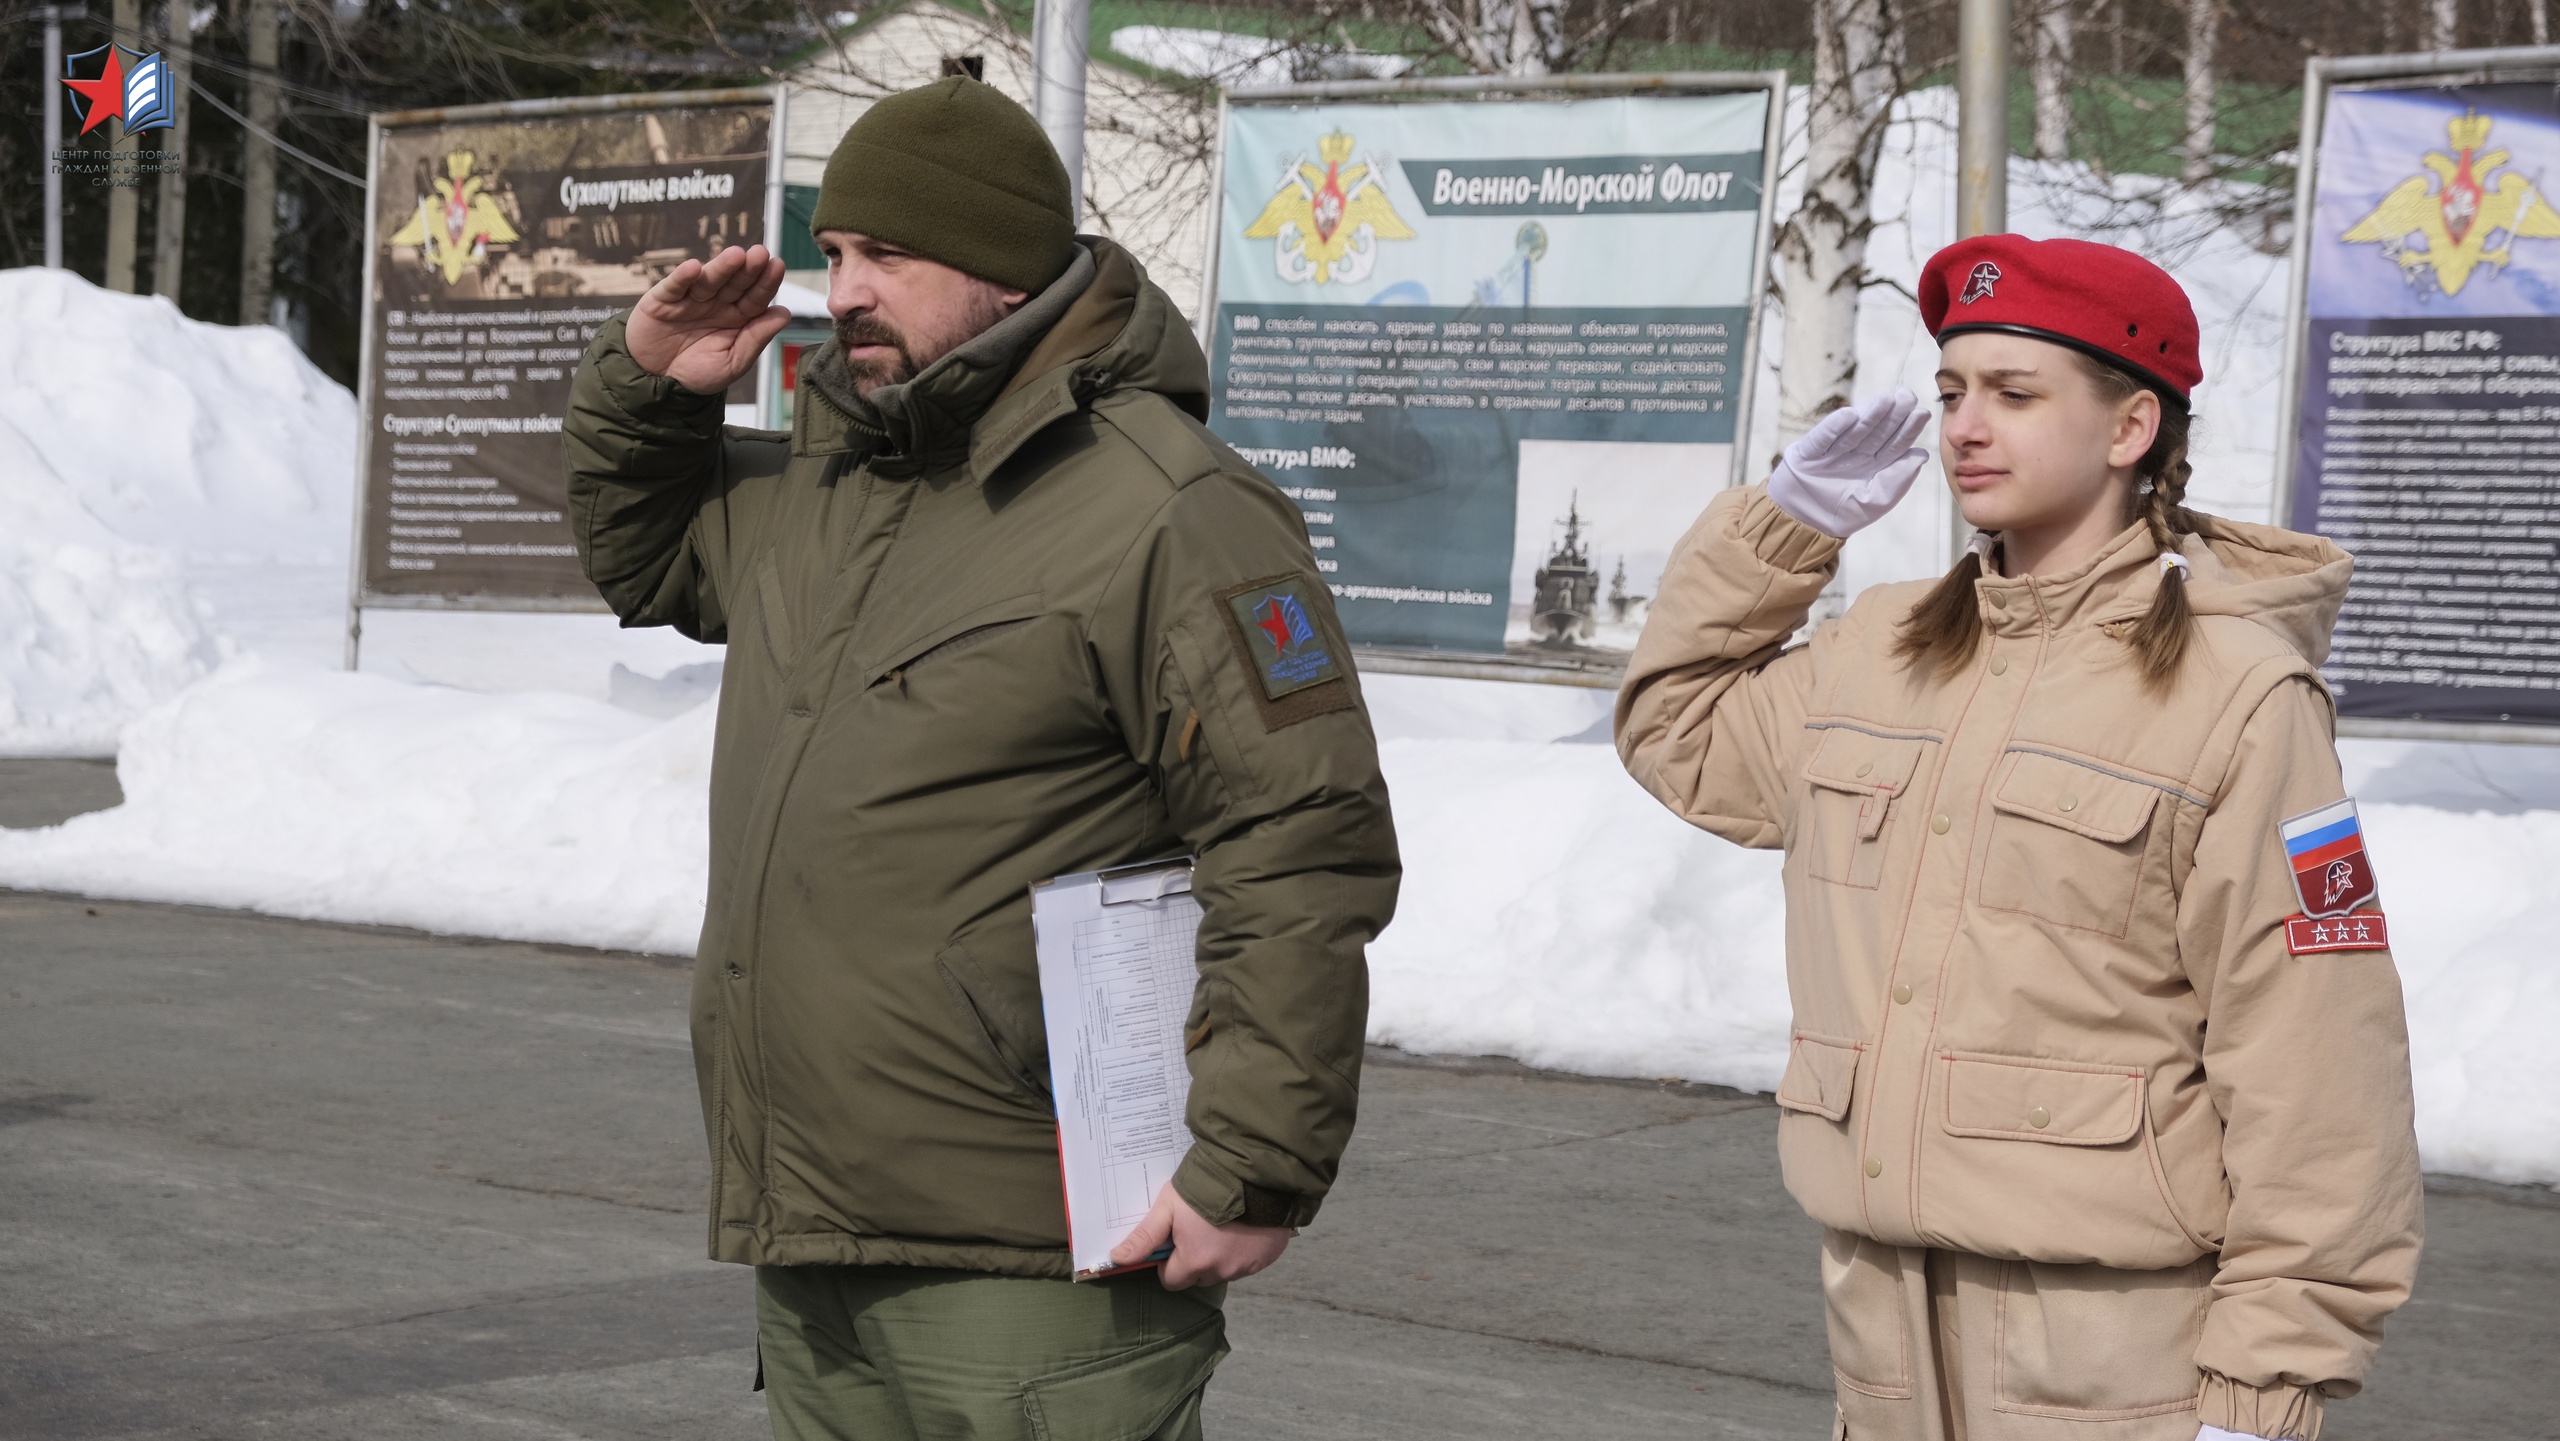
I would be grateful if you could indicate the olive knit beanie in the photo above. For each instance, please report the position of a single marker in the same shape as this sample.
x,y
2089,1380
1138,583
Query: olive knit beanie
x,y
957,173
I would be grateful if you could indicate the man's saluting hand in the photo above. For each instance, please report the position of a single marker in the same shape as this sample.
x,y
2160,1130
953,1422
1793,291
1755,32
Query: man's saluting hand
x,y
704,325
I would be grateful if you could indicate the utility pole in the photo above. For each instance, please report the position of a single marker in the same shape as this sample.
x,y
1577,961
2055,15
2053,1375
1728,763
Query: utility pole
x,y
1060,32
1982,149
53,16
169,240
124,184
258,168
1982,117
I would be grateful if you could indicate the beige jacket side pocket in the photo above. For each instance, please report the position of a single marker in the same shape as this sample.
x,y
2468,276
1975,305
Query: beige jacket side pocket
x,y
1821,1076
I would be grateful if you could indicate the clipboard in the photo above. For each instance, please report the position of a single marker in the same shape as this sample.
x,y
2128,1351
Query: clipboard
x,y
1119,964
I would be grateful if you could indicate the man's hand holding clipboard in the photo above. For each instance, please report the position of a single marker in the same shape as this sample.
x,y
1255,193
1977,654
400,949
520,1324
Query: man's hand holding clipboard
x,y
1195,1253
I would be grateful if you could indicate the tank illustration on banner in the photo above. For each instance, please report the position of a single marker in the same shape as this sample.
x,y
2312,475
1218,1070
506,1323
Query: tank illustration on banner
x,y
1563,616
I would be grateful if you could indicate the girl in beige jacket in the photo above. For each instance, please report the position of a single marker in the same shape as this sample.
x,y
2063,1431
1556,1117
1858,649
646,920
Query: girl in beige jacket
x,y
2099,1081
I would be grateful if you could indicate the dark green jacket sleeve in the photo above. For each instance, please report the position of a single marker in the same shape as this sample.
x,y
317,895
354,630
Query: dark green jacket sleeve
x,y
1287,811
652,492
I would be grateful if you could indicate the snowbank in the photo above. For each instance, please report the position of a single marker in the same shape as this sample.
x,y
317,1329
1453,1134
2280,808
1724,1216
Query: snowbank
x,y
176,492
135,443
1552,911
92,629
331,796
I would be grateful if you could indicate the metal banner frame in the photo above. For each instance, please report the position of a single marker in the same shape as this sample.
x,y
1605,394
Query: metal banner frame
x,y
768,373
2321,76
1494,89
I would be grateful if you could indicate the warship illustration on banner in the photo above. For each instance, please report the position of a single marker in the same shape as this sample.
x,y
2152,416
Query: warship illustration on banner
x,y
1622,601
1562,617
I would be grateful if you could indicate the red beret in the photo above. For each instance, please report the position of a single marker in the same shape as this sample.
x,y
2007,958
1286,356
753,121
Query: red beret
x,y
2097,299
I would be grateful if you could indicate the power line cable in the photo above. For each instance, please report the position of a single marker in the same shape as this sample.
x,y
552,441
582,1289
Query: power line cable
x,y
272,138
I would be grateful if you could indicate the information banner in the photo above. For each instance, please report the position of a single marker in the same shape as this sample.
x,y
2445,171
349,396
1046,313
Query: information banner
x,y
501,239
1497,348
2426,401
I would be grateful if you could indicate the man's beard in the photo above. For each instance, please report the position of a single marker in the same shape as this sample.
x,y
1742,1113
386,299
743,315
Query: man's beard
x,y
908,357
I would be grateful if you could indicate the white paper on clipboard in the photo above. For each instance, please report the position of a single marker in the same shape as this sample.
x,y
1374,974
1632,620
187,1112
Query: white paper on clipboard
x,y
1118,966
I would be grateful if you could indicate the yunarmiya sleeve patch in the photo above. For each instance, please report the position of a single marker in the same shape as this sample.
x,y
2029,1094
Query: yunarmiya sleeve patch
x,y
1295,669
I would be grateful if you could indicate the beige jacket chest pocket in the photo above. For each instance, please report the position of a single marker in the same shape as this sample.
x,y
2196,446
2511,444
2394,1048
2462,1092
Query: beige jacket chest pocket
x,y
1857,779
2067,842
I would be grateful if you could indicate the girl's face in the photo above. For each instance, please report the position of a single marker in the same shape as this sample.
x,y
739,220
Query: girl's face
x,y
2035,449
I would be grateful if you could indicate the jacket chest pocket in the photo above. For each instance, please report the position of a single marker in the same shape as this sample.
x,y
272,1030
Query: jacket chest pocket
x,y
2067,843
947,642
1857,781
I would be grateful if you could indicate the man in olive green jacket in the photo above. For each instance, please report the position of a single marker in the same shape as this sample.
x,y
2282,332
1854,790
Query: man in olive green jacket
x,y
993,613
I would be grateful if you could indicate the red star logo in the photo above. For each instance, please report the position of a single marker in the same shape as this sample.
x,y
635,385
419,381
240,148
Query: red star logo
x,y
104,94
1274,625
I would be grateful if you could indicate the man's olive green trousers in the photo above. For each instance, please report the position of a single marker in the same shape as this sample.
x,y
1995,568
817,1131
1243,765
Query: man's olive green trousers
x,y
909,1353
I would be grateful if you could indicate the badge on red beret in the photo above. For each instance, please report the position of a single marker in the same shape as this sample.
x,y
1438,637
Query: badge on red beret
x,y
2098,299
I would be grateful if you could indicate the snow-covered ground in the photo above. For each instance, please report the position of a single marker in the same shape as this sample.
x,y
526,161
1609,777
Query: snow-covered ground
x,y
172,572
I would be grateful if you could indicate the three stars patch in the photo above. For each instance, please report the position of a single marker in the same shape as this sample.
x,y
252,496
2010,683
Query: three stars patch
x,y
2331,877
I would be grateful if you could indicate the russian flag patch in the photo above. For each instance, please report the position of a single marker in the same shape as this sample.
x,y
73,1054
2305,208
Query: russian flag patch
x,y
2332,876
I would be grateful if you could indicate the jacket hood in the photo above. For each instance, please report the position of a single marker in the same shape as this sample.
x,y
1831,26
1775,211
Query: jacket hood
x,y
1121,334
2289,582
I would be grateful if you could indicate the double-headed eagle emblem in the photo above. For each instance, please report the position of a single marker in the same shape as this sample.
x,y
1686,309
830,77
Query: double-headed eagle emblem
x,y
454,227
2453,225
1328,221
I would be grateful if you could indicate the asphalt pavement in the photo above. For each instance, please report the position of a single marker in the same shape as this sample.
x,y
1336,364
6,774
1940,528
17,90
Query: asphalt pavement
x,y
272,1179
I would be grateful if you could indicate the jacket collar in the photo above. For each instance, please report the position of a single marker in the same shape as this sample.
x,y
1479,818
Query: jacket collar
x,y
929,420
1123,333
2116,584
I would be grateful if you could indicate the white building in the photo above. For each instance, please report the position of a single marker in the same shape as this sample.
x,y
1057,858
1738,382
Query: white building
x,y
1147,142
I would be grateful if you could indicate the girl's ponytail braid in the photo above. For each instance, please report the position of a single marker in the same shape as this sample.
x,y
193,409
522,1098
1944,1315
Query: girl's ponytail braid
x,y
2161,637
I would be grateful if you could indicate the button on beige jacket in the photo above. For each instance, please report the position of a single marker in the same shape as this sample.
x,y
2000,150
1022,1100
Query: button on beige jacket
x,y
2044,1010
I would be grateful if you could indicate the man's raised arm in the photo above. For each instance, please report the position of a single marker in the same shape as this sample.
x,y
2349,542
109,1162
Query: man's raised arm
x,y
647,478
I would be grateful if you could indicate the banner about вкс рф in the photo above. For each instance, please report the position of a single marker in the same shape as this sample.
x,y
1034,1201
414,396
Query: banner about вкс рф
x,y
500,244
1498,350
2427,395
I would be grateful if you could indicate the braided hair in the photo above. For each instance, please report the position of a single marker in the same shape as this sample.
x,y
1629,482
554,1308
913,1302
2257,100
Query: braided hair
x,y
1943,630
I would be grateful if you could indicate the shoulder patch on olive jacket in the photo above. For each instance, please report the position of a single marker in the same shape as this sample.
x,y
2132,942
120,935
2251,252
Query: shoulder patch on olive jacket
x,y
1295,665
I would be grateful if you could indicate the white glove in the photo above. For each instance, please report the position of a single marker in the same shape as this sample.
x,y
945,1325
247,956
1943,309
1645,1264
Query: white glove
x,y
2216,1433
1842,476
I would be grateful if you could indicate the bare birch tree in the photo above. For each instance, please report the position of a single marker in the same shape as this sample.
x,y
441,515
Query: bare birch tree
x,y
2052,74
1521,37
1822,251
2203,23
2444,24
